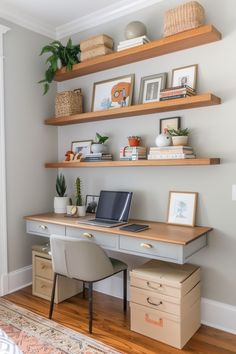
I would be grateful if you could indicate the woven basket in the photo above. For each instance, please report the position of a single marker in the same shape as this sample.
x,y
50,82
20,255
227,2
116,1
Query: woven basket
x,y
94,52
183,17
68,103
101,39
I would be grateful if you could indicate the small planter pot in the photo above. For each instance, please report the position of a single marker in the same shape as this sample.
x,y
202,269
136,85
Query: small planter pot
x,y
60,204
81,210
98,148
134,140
180,140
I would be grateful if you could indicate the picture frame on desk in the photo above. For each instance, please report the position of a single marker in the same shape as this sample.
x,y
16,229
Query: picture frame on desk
x,y
91,203
182,208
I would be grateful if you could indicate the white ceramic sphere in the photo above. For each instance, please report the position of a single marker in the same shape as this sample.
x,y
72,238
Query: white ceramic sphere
x,y
163,140
135,29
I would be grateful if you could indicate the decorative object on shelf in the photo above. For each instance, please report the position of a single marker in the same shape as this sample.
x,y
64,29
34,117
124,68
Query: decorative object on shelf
x,y
179,136
151,86
95,46
59,55
68,103
175,92
113,93
82,147
91,203
163,139
98,156
182,208
130,43
169,123
71,210
186,75
132,153
134,140
79,200
71,156
61,201
171,152
99,146
135,29
183,17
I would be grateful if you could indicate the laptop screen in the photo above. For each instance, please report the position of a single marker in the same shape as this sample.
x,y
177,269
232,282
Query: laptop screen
x,y
114,205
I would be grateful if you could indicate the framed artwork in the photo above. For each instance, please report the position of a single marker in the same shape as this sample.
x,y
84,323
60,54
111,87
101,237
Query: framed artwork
x,y
151,86
169,123
83,147
113,93
91,203
185,76
182,208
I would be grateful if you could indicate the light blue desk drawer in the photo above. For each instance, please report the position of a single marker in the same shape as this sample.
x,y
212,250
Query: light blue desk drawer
x,y
44,229
149,248
105,240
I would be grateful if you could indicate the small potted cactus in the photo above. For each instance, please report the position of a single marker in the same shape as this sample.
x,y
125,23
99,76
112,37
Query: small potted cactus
x,y
99,145
61,201
179,136
79,200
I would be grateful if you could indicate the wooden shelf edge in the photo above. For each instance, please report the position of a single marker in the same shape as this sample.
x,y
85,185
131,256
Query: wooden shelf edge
x,y
180,41
201,161
201,100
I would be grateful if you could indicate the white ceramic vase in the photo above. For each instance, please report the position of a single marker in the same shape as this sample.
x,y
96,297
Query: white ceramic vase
x,y
60,204
163,140
81,210
180,140
98,148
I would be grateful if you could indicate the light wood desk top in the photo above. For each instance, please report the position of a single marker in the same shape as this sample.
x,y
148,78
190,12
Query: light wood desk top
x,y
175,234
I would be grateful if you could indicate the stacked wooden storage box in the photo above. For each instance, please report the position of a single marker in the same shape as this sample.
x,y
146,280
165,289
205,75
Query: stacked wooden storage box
x,y
165,301
95,46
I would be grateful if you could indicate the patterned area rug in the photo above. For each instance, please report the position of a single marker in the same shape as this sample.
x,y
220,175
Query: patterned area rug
x,y
36,335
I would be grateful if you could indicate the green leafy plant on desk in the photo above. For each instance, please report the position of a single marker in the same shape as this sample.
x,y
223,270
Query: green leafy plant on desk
x,y
61,201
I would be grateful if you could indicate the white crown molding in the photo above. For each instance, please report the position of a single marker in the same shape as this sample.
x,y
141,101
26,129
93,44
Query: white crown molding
x,y
107,14
30,23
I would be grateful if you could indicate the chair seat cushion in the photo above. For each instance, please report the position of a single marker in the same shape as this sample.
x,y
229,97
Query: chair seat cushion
x,y
118,266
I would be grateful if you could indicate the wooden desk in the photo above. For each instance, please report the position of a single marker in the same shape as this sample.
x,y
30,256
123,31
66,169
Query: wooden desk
x,y
162,241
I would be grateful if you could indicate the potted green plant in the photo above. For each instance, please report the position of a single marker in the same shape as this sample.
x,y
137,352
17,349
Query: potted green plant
x,y
99,145
59,56
79,200
61,201
179,136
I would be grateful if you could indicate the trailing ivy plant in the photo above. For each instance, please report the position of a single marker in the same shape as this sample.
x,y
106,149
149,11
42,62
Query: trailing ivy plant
x,y
60,56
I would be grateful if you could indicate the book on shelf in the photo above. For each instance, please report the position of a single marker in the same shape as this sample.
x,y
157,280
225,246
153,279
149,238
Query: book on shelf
x,y
183,87
173,97
135,40
176,92
137,152
170,156
99,156
132,158
171,150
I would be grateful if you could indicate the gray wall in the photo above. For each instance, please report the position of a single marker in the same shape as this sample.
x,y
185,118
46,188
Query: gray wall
x,y
29,143
212,135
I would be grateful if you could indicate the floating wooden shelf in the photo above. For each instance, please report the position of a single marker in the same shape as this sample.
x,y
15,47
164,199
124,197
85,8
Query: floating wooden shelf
x,y
203,161
188,39
206,99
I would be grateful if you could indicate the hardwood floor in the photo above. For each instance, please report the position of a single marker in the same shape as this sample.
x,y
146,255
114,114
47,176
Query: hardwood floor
x,y
111,326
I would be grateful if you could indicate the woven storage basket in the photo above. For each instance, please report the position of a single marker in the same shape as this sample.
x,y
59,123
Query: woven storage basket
x,y
183,17
101,39
94,52
68,103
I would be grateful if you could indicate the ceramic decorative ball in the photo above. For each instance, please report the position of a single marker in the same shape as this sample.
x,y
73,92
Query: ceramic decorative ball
x,y
135,29
163,140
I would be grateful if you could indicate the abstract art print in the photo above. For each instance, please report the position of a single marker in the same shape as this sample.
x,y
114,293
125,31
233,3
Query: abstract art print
x,y
182,208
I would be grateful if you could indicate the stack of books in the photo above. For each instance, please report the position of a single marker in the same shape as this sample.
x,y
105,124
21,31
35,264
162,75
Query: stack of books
x,y
176,92
129,43
171,152
133,153
98,157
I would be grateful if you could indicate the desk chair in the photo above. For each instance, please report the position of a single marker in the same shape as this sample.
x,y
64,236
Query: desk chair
x,y
84,261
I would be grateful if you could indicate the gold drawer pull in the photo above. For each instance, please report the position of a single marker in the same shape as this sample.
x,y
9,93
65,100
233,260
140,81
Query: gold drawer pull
x,y
146,245
159,286
43,227
153,303
86,234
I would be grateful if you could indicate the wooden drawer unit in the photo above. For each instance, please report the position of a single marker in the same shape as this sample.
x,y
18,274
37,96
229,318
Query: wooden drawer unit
x,y
105,240
44,229
43,277
165,301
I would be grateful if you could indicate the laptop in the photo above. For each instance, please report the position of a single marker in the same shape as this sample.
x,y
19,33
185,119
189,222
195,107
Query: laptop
x,y
112,210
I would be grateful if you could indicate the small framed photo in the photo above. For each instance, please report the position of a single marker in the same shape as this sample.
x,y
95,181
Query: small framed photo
x,y
182,208
83,147
113,93
91,203
169,123
151,86
185,76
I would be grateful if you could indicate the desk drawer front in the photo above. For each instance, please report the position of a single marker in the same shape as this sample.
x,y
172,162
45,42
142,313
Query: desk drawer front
x,y
42,288
43,268
105,240
149,248
44,229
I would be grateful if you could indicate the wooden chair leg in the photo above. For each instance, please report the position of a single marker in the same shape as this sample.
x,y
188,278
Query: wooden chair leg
x,y
90,307
125,290
83,289
53,295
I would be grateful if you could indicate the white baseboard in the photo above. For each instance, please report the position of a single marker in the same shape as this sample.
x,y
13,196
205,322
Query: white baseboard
x,y
213,313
